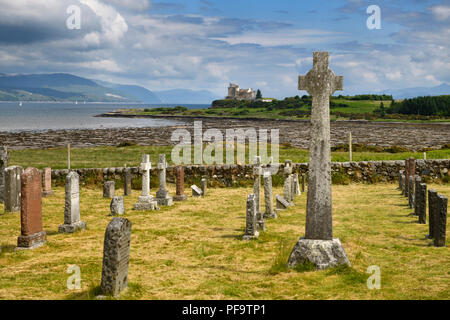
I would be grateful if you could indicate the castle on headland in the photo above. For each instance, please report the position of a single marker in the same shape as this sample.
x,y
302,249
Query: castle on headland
x,y
236,93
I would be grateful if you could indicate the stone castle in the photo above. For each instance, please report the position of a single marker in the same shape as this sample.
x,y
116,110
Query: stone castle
x,y
236,93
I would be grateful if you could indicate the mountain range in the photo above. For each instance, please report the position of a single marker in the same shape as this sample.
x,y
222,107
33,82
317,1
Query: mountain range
x,y
68,87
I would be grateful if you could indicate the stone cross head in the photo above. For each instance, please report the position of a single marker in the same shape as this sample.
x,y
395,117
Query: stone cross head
x,y
320,80
146,164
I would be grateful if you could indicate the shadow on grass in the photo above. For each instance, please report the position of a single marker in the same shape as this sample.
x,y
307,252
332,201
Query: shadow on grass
x,y
6,248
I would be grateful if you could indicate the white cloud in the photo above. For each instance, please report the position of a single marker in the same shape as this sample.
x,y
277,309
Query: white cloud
x,y
441,12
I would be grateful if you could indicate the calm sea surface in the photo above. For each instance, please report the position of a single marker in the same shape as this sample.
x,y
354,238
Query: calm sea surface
x,y
38,116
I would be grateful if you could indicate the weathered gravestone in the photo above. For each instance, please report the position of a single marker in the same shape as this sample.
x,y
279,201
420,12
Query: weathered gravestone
x,y
440,221
117,206
296,185
432,195
303,182
109,189
400,174
268,196
116,256
318,247
403,184
257,172
127,182
251,220
32,235
288,182
416,202
72,222
162,195
12,191
47,182
204,186
405,193
179,196
421,203
196,191
411,192
4,158
146,201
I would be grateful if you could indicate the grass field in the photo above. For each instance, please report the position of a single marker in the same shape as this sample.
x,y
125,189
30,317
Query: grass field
x,y
194,250
102,157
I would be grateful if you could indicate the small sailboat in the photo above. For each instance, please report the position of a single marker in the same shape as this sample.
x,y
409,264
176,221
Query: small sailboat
x,y
20,103
76,101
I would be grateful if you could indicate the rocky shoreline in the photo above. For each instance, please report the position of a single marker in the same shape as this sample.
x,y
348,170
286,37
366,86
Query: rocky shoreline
x,y
294,132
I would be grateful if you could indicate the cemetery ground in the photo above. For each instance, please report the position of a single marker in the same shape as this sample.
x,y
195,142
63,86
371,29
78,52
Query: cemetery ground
x,y
194,250
104,157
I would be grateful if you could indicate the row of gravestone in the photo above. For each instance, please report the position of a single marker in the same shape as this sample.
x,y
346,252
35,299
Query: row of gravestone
x,y
416,192
146,201
255,219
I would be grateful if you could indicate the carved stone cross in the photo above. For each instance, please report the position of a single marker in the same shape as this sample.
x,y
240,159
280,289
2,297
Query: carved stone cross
x,y
320,83
145,167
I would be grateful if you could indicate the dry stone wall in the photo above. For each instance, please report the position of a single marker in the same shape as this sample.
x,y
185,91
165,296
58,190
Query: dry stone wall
x,y
242,175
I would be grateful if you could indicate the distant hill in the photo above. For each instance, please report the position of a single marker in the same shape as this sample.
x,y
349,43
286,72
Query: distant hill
x,y
187,96
140,93
57,87
443,89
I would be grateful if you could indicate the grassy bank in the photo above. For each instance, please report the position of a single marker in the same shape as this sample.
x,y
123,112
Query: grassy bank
x,y
101,157
194,250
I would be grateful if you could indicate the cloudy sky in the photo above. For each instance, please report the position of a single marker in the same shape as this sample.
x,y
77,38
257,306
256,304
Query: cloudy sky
x,y
199,44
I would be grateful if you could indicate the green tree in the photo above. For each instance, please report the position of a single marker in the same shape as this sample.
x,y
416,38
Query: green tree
x,y
258,94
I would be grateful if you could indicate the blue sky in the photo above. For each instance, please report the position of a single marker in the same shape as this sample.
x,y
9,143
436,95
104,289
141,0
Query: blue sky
x,y
204,45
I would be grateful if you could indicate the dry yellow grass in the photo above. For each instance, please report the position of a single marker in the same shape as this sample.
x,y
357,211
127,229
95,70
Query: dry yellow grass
x,y
194,250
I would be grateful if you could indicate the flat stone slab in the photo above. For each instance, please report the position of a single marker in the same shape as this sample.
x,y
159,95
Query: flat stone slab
x,y
322,254
71,228
196,191
282,204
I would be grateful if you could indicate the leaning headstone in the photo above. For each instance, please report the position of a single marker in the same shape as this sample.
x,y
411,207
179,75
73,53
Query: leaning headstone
x,y
179,196
422,203
417,200
146,201
12,191
32,235
282,204
268,196
406,177
204,186
127,182
109,189
162,195
432,201
196,191
318,247
411,192
4,158
116,257
72,222
117,207
257,172
440,222
251,220
47,182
